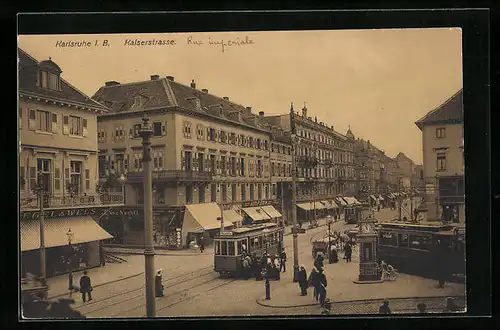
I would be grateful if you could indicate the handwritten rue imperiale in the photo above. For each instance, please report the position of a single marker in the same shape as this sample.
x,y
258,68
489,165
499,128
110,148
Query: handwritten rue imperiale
x,y
223,44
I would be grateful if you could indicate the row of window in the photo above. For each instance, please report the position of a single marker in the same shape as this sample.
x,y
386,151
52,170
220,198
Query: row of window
x,y
322,155
226,165
318,137
420,242
215,135
119,162
119,132
46,121
75,178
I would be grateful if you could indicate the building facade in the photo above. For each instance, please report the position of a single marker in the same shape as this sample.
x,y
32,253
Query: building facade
x,y
58,164
206,149
443,160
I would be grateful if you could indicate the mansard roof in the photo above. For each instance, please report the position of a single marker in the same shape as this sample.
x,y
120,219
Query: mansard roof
x,y
29,69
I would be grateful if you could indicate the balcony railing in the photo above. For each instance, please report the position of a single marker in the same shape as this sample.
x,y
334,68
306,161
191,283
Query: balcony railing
x,y
33,202
307,161
173,176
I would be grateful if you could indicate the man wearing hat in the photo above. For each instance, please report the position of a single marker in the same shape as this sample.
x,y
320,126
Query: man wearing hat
x,y
85,287
158,283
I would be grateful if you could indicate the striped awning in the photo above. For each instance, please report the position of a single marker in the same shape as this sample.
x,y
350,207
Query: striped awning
x,y
84,230
271,211
256,213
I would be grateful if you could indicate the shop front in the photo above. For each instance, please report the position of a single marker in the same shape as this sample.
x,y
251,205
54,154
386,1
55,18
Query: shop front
x,y
202,220
70,241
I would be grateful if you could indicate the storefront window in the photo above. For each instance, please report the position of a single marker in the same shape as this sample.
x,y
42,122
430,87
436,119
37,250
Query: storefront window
x,y
217,248
224,248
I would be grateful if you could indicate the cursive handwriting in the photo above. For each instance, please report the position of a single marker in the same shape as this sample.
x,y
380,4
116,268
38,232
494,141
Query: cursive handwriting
x,y
223,44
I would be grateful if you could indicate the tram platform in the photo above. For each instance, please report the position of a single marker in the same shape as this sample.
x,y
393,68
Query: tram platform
x,y
341,288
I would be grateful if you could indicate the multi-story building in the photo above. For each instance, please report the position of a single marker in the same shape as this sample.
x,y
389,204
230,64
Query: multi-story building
x,y
407,170
58,166
443,160
324,161
208,152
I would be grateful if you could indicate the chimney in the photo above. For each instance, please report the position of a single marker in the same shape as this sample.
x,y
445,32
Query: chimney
x,y
226,98
170,78
193,84
249,109
112,83
332,128
204,90
155,77
316,119
261,114
304,111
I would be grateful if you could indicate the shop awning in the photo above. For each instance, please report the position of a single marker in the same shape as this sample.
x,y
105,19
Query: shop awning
x,y
319,206
271,211
328,205
341,201
84,230
305,206
351,201
201,217
232,216
256,213
373,197
381,198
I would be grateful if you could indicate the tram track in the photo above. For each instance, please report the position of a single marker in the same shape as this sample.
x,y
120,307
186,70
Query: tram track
x,y
117,299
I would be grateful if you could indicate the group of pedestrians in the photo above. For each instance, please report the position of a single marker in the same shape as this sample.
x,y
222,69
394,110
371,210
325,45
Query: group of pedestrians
x,y
317,280
269,266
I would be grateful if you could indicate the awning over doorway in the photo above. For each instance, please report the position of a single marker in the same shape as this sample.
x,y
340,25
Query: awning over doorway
x,y
201,217
232,216
305,206
271,211
84,230
256,213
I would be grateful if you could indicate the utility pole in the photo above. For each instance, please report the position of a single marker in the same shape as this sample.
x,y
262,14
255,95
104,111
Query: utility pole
x,y
149,254
294,199
43,273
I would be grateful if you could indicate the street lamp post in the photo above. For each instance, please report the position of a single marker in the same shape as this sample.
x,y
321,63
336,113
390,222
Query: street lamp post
x,y
122,180
70,236
40,192
149,254
294,200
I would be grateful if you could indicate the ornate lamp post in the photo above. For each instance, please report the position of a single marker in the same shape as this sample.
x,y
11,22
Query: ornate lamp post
x,y
149,254
70,236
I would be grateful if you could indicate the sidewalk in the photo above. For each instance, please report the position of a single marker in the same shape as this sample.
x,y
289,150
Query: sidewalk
x,y
340,277
305,225
161,252
58,285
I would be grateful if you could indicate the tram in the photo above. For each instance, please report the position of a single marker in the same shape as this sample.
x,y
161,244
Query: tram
x,y
229,245
424,249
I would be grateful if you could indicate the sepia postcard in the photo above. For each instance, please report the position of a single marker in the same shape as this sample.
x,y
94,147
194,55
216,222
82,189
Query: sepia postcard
x,y
272,173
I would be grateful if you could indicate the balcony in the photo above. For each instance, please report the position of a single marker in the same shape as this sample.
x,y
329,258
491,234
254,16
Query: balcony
x,y
173,176
57,202
307,161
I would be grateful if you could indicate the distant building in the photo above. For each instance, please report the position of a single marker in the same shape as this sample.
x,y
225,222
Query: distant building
x,y
58,155
443,154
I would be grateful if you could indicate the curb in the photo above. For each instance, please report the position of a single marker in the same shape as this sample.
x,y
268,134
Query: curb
x,y
101,284
371,300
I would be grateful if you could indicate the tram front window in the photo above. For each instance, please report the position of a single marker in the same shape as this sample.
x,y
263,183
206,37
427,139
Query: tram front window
x,y
240,247
230,248
224,248
217,248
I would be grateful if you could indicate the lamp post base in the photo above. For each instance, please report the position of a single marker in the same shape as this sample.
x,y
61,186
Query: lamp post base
x,y
295,274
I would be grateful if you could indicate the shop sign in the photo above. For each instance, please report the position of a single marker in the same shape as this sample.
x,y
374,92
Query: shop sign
x,y
257,203
63,213
226,233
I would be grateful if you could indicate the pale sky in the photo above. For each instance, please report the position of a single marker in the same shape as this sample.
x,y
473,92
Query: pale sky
x,y
377,81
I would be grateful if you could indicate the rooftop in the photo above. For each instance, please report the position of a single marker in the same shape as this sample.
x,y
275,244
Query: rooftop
x,y
451,111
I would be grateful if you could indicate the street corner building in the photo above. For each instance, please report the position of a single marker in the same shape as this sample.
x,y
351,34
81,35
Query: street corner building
x,y
444,162
210,157
58,171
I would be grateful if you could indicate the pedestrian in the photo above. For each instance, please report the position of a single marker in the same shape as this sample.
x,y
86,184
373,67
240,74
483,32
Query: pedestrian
x,y
158,283
283,261
421,308
384,308
202,243
102,255
318,263
322,283
450,305
303,280
85,287
276,267
313,282
348,252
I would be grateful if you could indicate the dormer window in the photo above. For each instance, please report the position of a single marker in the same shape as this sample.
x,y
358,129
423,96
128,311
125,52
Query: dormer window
x,y
50,75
